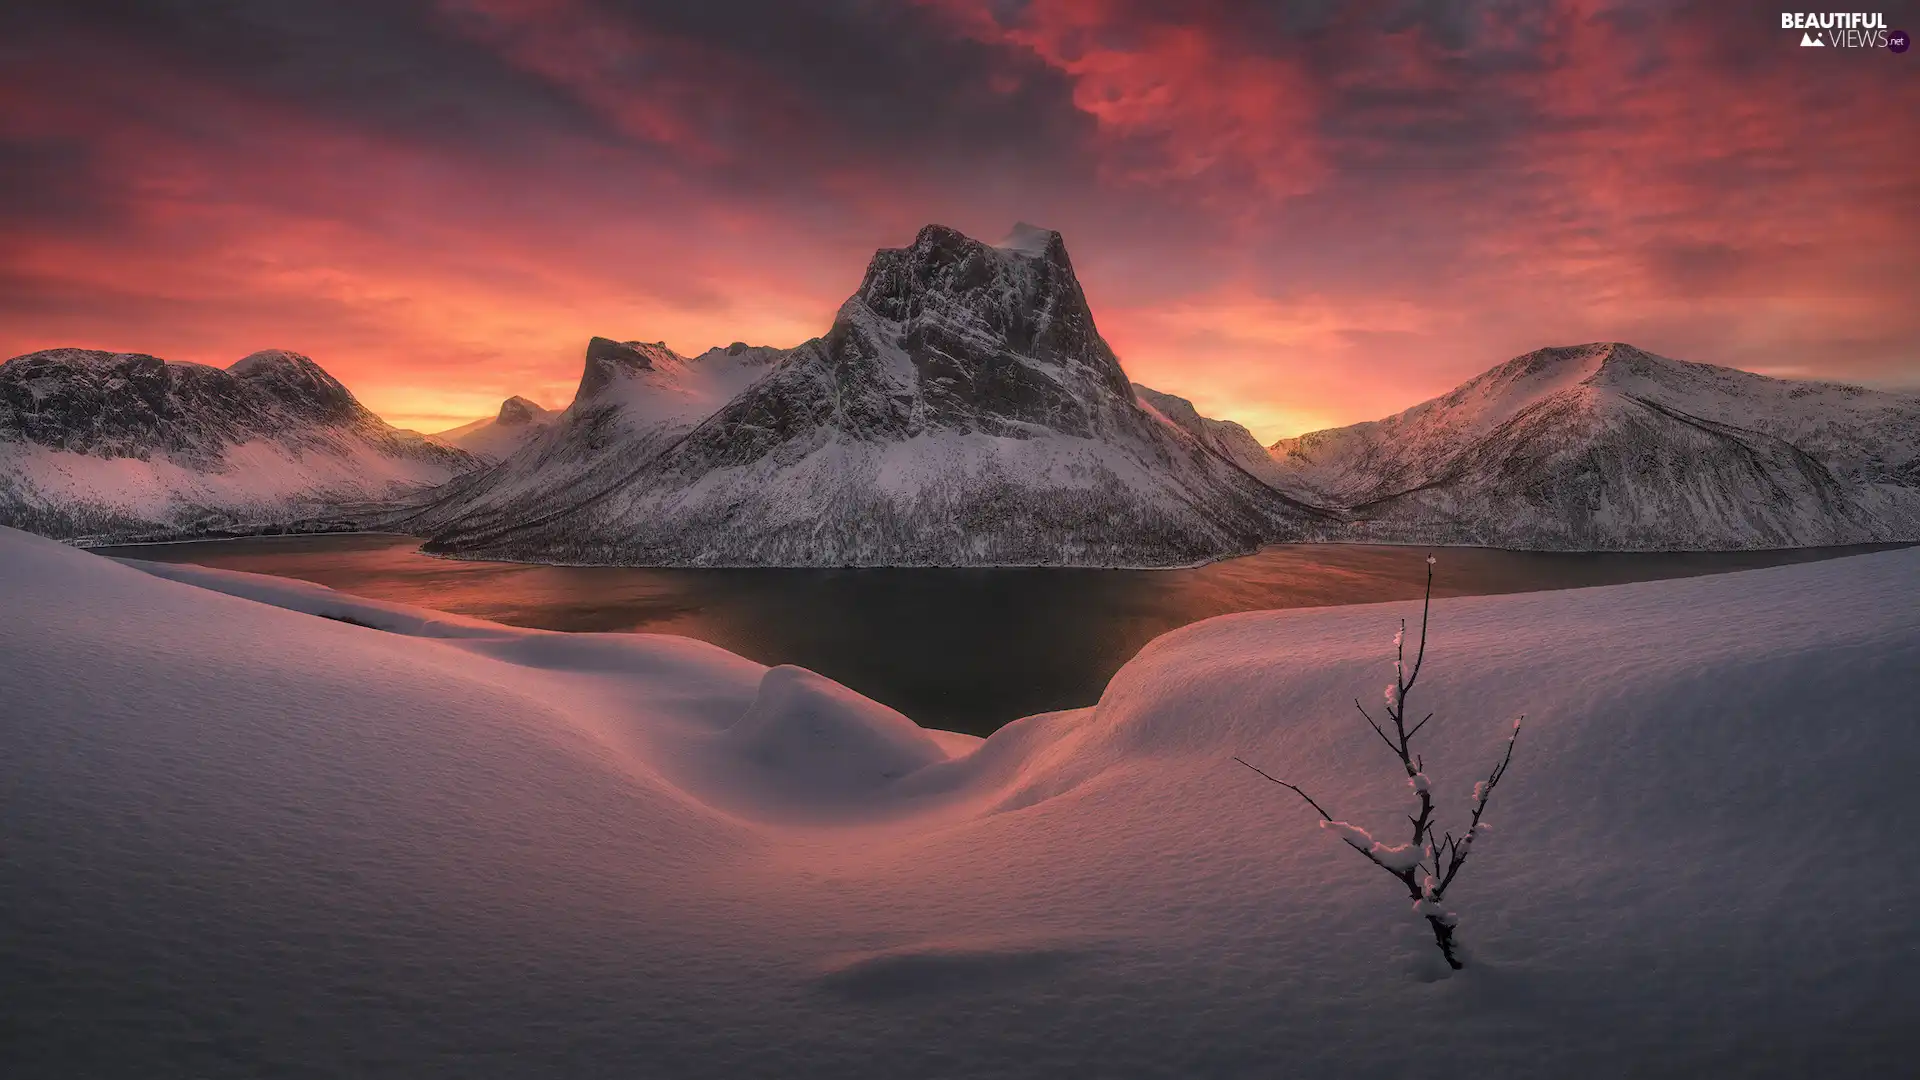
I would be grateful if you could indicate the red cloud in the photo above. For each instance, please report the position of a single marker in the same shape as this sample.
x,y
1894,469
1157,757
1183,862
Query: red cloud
x,y
1295,228
1177,101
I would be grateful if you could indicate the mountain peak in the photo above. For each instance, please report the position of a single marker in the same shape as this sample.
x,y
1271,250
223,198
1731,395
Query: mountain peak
x,y
938,241
295,378
952,332
1025,239
608,359
1559,359
1015,292
1596,364
518,410
267,360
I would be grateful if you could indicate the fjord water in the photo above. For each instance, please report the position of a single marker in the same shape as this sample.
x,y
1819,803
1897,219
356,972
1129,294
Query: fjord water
x,y
964,650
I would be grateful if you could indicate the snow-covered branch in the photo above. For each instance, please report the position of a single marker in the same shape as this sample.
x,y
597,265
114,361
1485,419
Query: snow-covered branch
x,y
1424,866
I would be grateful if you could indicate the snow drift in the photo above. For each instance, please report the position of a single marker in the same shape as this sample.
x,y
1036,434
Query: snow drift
x,y
244,839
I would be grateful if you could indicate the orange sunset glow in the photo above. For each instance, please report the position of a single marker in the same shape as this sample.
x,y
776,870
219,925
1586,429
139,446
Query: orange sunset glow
x,y
1296,215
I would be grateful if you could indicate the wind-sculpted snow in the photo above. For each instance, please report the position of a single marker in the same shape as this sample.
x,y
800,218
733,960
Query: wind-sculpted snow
x,y
1607,447
387,841
102,446
963,410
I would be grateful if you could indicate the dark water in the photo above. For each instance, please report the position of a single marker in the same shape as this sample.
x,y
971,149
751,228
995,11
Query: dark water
x,y
965,650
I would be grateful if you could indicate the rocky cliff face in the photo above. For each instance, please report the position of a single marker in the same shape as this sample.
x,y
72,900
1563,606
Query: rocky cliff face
x,y
1608,447
962,410
103,446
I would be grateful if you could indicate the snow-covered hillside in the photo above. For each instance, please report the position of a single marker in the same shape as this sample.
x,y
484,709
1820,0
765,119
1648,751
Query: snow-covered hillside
x,y
492,438
963,410
242,840
99,446
635,399
1224,437
1605,446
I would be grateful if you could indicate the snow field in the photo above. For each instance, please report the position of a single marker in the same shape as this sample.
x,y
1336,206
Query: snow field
x,y
443,847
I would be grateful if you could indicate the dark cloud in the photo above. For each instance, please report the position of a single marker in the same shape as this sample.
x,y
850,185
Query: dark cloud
x,y
384,66
892,72
880,85
43,181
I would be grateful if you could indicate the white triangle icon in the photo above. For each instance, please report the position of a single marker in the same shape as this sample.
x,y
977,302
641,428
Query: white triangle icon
x,y
1809,39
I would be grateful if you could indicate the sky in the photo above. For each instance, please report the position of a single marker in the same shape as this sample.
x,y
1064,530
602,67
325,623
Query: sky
x,y
1297,214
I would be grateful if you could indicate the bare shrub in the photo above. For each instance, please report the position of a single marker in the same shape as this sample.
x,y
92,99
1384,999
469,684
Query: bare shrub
x,y
1426,866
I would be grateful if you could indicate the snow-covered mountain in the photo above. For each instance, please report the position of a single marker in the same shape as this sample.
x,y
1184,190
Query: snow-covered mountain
x,y
1607,447
635,398
963,410
493,438
97,446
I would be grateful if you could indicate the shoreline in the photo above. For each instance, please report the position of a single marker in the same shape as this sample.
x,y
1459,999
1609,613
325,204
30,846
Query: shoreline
x,y
1863,547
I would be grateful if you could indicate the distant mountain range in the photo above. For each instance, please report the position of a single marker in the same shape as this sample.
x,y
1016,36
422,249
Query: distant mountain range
x,y
1607,447
962,410
98,446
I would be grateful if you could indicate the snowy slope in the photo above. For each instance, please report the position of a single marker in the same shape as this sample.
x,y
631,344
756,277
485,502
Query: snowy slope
x,y
1607,447
492,438
1224,437
962,410
97,445
242,840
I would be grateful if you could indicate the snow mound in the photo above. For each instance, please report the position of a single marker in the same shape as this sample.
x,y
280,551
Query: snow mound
x,y
814,735
289,832
311,599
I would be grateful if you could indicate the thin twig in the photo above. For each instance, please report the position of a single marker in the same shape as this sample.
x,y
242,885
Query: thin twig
x,y
1420,658
1374,726
1324,816
1459,858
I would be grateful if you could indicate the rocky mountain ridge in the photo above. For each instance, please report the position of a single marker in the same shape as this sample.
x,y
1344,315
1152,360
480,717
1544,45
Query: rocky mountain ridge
x,y
98,446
